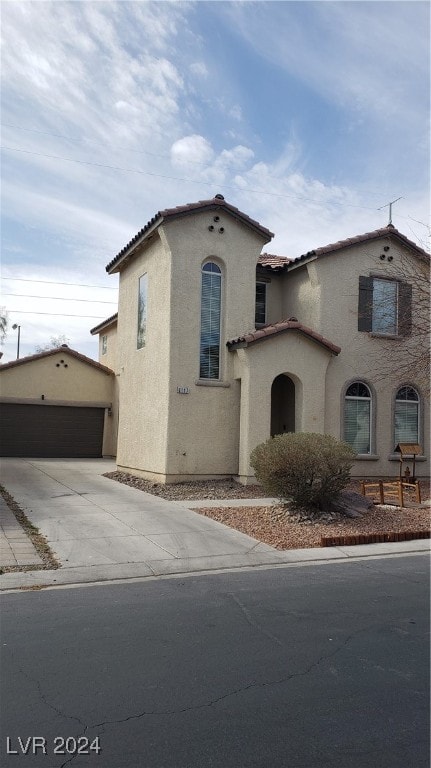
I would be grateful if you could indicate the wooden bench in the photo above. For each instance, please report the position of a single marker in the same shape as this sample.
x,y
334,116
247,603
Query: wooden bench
x,y
395,489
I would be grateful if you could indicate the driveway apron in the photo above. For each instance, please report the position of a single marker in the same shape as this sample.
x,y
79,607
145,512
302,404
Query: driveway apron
x,y
93,522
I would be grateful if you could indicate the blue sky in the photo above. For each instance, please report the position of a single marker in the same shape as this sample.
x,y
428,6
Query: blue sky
x,y
308,116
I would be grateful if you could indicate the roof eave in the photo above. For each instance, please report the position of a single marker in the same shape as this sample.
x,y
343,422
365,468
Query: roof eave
x,y
116,264
104,325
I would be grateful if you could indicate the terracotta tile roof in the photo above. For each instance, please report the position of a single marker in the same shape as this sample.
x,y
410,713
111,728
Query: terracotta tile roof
x,y
104,324
384,232
270,261
282,327
63,350
215,204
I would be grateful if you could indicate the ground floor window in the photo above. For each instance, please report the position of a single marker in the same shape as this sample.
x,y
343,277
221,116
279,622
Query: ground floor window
x,y
406,416
357,417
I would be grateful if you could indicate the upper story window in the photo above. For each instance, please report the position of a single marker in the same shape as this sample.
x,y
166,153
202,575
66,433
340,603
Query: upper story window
x,y
209,362
384,306
357,417
142,312
406,416
104,345
260,312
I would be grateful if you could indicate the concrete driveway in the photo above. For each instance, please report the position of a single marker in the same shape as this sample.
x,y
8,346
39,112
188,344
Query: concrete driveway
x,y
102,529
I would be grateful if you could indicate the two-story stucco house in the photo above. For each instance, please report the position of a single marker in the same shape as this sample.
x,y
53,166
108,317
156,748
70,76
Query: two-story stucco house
x,y
217,346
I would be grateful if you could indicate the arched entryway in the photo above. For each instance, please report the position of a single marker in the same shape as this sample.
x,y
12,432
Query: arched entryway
x,y
282,405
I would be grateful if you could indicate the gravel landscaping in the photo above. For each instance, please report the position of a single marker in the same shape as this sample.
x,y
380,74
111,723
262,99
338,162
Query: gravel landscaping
x,y
271,524
206,489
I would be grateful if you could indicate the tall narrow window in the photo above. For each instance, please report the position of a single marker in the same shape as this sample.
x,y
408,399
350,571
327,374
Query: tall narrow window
x,y
357,417
406,416
210,322
104,345
142,312
260,312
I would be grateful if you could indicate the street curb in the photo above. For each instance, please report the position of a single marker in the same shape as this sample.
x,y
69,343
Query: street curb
x,y
126,572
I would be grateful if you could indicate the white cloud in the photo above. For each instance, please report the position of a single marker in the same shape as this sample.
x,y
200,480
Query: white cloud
x,y
199,68
191,149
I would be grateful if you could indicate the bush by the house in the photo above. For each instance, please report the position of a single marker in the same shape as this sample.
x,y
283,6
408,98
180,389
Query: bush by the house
x,y
305,469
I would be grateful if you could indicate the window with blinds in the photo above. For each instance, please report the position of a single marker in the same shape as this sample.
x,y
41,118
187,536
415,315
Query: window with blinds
x,y
357,417
260,311
406,416
209,367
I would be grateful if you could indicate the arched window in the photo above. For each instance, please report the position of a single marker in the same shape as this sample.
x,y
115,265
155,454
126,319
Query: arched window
x,y
357,417
209,367
406,416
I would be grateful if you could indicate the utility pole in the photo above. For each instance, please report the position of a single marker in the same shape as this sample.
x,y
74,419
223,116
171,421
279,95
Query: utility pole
x,y
15,326
389,205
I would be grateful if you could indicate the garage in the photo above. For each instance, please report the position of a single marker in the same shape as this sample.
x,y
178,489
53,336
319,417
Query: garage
x,y
57,404
51,431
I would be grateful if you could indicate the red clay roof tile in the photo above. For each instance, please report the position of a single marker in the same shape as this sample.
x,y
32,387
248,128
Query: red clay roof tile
x,y
216,203
281,327
104,324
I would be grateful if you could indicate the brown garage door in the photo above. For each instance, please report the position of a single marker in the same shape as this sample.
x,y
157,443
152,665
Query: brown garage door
x,y
50,431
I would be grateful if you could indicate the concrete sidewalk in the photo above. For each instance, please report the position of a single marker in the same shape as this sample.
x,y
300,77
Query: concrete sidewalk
x,y
100,530
16,549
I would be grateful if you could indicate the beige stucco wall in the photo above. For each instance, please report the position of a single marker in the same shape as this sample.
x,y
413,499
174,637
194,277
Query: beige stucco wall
x,y
324,295
48,376
210,429
143,374
164,434
110,357
293,354
203,435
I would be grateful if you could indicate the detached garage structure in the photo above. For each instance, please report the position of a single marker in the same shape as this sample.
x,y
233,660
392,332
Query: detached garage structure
x,y
56,404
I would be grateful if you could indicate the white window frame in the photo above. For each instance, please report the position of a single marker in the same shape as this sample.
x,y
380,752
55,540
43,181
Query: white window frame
x,y
219,273
370,400
104,344
417,402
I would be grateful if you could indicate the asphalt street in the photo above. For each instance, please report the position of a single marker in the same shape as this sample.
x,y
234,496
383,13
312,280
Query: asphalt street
x,y
310,666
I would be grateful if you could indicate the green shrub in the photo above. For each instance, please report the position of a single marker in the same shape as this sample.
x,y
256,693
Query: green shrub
x,y
303,468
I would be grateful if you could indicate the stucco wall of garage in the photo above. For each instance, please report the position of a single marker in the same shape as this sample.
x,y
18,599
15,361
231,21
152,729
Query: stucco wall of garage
x,y
62,378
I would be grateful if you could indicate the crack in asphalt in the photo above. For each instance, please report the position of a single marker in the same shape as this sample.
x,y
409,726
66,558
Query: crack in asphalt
x,y
234,692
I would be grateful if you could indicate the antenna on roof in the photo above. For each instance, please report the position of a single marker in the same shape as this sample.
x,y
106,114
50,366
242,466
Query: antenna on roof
x,y
389,205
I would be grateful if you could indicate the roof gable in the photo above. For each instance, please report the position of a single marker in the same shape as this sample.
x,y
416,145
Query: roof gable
x,y
217,203
63,350
377,234
268,331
